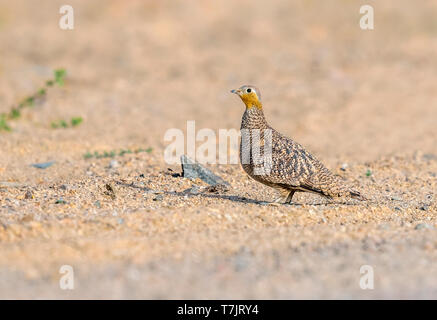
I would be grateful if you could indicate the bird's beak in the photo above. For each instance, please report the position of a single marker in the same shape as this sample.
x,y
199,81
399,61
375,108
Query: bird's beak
x,y
236,91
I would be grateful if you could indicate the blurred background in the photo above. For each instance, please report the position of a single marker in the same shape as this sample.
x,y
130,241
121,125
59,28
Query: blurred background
x,y
137,68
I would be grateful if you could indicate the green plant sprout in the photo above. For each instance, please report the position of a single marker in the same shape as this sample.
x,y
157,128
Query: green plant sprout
x,y
15,112
59,76
113,153
75,121
3,123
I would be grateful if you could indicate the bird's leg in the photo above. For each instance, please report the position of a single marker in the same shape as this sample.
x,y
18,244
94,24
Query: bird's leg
x,y
290,196
284,196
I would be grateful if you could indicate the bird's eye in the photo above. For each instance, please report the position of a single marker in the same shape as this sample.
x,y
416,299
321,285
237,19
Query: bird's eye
x,y
248,90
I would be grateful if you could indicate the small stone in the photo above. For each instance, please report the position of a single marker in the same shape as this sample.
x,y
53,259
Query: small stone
x,y
109,191
60,201
114,164
344,166
421,226
28,195
159,197
218,188
193,190
43,165
193,170
151,191
97,204
396,198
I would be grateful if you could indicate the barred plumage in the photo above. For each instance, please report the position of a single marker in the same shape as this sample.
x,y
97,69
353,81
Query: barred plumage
x,y
290,168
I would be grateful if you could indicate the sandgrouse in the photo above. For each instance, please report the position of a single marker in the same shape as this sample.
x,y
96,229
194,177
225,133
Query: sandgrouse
x,y
279,162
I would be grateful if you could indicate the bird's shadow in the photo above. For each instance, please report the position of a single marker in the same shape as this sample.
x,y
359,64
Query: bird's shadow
x,y
223,196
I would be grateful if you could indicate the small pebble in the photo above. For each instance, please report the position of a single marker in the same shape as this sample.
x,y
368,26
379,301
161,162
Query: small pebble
x,y
159,197
193,170
43,165
218,188
60,201
421,226
114,164
109,191
193,190
28,195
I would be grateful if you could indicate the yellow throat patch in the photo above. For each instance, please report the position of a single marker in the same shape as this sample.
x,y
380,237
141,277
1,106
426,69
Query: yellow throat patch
x,y
251,100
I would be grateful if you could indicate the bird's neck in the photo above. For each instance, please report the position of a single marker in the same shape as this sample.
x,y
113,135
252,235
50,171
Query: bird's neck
x,y
253,118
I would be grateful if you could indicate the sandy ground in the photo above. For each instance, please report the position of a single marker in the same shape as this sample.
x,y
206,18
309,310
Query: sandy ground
x,y
138,68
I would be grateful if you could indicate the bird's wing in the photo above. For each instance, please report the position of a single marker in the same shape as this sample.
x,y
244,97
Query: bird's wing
x,y
293,166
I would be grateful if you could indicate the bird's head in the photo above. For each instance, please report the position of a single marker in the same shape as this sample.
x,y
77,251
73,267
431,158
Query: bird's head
x,y
250,96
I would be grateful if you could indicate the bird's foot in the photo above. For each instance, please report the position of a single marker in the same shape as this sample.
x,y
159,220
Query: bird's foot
x,y
284,198
280,201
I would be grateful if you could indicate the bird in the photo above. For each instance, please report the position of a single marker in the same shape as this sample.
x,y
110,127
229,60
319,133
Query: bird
x,y
277,161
